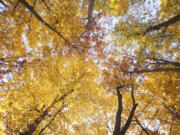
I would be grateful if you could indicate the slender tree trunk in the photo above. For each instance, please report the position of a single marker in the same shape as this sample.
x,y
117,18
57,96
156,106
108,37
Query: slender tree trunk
x,y
90,13
117,129
118,114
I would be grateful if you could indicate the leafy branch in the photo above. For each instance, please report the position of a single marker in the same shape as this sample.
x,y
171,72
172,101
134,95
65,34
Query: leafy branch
x,y
31,9
49,123
32,127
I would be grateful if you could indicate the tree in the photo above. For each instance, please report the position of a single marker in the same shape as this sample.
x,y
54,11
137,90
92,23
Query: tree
x,y
64,69
155,55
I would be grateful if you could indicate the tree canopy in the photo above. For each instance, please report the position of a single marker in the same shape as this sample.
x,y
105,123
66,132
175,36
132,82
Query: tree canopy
x,y
96,67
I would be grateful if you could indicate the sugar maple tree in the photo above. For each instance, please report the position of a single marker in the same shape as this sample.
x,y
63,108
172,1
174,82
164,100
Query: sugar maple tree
x,y
64,72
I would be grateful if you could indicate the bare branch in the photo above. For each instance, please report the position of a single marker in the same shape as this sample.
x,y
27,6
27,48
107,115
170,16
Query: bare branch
x,y
117,127
163,24
90,12
154,70
128,122
153,117
4,4
45,4
165,62
143,128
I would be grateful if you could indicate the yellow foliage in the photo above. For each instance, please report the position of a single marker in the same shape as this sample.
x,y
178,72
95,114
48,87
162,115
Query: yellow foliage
x,y
58,77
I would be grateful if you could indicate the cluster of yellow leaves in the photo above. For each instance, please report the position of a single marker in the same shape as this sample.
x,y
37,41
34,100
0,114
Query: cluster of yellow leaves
x,y
112,7
39,87
169,7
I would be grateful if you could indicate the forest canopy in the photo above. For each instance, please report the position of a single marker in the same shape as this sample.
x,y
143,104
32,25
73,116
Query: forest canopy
x,y
89,67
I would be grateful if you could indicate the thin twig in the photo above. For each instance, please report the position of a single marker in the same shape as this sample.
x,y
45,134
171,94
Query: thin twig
x,y
153,117
49,123
46,5
153,70
142,127
128,122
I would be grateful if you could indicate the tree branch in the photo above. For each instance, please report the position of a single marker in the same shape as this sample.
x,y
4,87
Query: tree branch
x,y
128,122
154,70
90,12
166,62
31,9
46,5
4,4
49,123
152,118
32,127
163,24
142,127
117,127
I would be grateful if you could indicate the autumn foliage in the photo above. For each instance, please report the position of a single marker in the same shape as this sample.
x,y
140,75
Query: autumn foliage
x,y
77,67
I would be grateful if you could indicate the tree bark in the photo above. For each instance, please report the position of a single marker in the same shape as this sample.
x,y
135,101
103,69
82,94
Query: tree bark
x,y
117,128
118,114
128,122
90,13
